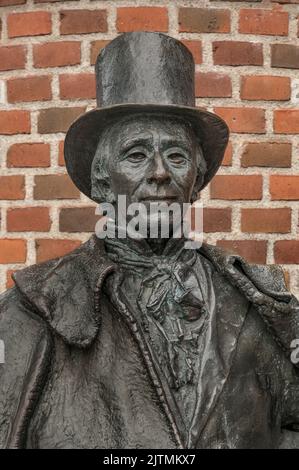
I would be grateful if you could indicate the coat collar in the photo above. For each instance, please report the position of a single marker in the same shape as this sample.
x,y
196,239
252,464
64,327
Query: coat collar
x,y
267,279
66,291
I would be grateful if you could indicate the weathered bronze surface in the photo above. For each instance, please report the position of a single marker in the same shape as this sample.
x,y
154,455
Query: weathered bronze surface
x,y
127,343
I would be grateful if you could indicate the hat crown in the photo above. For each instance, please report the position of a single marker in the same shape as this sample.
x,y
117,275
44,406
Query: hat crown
x,y
145,68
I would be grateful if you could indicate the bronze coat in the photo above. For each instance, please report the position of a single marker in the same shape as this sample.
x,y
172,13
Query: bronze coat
x,y
78,373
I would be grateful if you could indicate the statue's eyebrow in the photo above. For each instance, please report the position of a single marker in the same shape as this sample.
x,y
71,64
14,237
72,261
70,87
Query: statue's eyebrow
x,y
133,142
173,142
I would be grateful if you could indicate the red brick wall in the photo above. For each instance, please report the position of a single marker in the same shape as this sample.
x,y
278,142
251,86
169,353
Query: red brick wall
x,y
247,56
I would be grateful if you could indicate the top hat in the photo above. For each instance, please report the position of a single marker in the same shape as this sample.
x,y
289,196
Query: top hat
x,y
142,72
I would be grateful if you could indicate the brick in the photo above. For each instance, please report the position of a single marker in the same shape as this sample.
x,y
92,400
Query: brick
x,y
33,23
204,20
12,251
61,161
236,1
237,187
95,49
217,220
28,155
195,47
8,3
83,21
285,56
267,154
212,85
254,251
54,120
77,219
28,219
53,248
243,120
2,92
269,22
15,122
48,187
228,155
286,121
57,54
266,220
142,19
12,58
265,87
77,86
284,187
286,1
12,187
237,53
286,252
54,1
29,89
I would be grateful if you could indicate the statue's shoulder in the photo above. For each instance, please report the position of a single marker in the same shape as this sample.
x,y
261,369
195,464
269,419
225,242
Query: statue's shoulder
x,y
269,279
62,290
51,271
265,287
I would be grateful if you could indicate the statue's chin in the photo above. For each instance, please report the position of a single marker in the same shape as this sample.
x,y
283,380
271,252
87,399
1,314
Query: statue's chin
x,y
150,223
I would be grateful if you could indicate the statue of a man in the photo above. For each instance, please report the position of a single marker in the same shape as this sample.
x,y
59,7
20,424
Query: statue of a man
x,y
134,342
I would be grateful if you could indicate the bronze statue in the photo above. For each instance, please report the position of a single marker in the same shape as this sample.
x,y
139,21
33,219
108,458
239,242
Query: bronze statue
x,y
142,343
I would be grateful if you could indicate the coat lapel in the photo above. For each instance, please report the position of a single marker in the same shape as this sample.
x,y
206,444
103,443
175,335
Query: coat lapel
x,y
164,393
220,341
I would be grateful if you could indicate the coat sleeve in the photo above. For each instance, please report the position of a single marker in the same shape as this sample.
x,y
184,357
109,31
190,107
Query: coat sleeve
x,y
24,355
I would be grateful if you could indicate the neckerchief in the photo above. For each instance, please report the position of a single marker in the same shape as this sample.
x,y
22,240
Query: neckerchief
x,y
170,300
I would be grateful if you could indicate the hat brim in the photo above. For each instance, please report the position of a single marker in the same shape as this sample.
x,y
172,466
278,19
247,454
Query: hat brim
x,y
83,136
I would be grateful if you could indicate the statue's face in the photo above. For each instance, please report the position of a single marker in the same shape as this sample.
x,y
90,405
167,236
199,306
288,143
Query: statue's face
x,y
153,159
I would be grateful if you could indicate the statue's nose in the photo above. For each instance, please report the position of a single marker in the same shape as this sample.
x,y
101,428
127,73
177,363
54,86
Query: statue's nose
x,y
159,173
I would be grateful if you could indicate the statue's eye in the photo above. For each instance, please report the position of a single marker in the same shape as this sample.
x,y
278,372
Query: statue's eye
x,y
176,158
136,157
